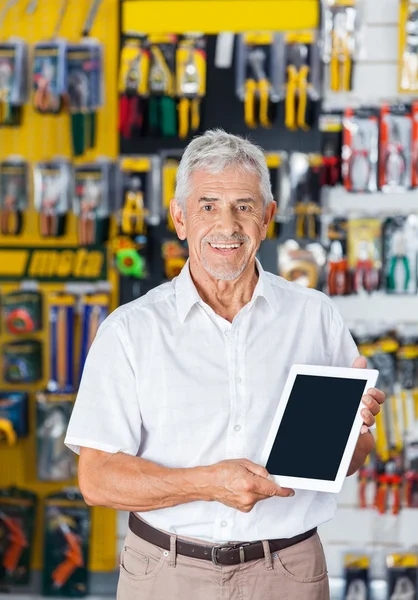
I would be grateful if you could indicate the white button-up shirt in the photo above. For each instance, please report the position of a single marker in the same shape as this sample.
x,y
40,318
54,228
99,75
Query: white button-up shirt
x,y
170,381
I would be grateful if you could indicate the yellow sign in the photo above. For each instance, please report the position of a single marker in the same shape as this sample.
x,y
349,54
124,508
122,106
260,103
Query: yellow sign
x,y
52,264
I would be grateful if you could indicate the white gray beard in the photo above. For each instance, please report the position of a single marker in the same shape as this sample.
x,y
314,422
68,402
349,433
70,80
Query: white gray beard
x,y
225,273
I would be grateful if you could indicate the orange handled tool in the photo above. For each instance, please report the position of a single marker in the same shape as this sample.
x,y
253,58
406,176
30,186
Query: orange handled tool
x,y
17,543
73,558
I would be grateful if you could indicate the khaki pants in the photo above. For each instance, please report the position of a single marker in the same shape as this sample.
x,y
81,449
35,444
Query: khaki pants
x,y
150,573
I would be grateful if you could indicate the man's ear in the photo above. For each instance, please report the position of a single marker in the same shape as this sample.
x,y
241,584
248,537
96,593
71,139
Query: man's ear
x,y
268,217
179,220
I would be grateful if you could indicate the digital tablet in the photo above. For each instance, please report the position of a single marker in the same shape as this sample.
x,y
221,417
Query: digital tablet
x,y
316,427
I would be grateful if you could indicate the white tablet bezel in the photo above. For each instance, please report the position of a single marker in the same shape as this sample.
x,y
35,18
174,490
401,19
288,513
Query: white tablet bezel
x,y
370,378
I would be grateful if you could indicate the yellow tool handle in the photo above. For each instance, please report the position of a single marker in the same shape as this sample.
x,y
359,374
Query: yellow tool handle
x,y
415,399
6,428
346,72
381,439
292,84
184,109
397,437
249,105
195,119
303,97
264,94
62,347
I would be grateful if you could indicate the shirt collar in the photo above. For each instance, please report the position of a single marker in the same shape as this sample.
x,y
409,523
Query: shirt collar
x,y
187,295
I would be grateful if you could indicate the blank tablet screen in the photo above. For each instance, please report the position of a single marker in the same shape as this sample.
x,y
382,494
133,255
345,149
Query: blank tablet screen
x,y
315,427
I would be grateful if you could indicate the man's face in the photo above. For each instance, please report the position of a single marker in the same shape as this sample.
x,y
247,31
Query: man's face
x,y
224,222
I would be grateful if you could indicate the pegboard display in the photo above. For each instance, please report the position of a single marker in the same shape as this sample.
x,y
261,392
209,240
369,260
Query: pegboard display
x,y
41,254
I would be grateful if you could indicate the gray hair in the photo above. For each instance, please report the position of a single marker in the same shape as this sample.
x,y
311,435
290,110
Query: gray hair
x,y
215,151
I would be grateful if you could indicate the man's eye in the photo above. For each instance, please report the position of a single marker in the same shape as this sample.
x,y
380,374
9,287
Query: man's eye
x,y
243,207
207,207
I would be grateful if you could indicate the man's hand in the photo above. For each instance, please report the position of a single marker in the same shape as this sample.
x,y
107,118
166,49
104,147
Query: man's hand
x,y
373,401
241,484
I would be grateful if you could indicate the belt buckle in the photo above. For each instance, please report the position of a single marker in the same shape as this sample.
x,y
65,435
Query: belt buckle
x,y
239,547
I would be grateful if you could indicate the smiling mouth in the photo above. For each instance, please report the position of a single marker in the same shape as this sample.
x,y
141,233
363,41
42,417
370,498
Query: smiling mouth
x,y
226,248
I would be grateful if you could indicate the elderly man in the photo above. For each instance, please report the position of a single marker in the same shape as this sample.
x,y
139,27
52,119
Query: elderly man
x,y
178,394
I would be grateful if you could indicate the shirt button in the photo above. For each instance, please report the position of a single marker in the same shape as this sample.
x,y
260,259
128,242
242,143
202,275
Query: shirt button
x,y
224,524
237,428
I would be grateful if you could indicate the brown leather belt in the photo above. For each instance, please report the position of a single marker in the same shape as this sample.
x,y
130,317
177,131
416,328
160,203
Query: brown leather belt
x,y
219,555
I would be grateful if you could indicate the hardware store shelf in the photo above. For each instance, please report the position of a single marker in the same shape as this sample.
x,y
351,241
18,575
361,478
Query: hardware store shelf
x,y
337,201
378,307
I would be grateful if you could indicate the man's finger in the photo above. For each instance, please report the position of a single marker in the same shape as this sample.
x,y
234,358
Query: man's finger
x,y
372,405
270,488
360,363
368,417
256,469
378,395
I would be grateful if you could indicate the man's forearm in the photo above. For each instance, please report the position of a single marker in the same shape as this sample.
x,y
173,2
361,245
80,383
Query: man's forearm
x,y
133,484
364,447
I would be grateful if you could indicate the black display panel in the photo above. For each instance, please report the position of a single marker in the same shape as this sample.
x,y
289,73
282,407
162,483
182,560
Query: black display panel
x,y
315,427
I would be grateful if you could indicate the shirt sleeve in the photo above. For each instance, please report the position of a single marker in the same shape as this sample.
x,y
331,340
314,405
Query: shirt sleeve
x,y
106,414
343,350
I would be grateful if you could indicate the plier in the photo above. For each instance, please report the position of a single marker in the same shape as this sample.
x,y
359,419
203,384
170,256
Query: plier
x,y
133,212
411,489
257,87
331,171
297,88
73,558
17,543
162,108
10,222
360,166
130,105
338,273
366,276
395,159
398,279
49,217
189,105
90,200
341,59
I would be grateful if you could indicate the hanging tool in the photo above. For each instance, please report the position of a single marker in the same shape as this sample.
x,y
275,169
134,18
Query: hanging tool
x,y
7,432
17,542
366,276
5,84
395,162
10,217
133,211
404,590
91,17
257,89
399,271
90,194
50,198
189,105
130,106
357,590
297,95
409,70
162,108
341,53
73,557
54,460
360,166
338,271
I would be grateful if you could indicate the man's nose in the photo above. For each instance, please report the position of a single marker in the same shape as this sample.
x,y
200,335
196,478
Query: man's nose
x,y
228,221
